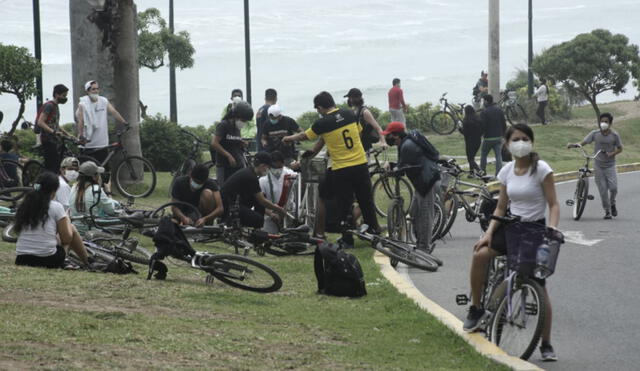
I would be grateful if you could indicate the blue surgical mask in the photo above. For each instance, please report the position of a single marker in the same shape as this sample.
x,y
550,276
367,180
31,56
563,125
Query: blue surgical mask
x,y
195,185
273,121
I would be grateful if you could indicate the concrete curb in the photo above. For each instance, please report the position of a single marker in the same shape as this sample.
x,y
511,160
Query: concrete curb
x,y
476,340
481,345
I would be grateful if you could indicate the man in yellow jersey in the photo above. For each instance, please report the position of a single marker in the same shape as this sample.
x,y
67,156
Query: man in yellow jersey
x,y
340,131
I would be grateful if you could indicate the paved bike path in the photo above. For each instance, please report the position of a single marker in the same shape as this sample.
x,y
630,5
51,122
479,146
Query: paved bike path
x,y
595,291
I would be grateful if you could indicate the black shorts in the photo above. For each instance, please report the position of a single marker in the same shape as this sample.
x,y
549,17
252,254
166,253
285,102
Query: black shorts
x,y
52,261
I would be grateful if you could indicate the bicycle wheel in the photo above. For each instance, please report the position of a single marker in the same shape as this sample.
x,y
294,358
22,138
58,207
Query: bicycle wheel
x,y
384,192
405,253
518,332
95,254
443,123
450,205
12,195
580,197
135,177
30,172
311,204
396,226
9,234
486,209
438,220
242,272
135,254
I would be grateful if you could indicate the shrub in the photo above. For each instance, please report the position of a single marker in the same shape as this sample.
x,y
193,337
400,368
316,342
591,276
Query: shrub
x,y
163,144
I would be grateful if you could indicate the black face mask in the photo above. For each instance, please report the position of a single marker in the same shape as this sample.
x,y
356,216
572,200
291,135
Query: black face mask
x,y
390,141
62,100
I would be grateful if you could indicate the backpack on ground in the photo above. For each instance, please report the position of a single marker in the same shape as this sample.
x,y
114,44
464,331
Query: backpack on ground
x,y
116,266
169,241
338,273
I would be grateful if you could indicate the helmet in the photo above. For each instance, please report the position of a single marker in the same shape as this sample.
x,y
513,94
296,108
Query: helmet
x,y
242,111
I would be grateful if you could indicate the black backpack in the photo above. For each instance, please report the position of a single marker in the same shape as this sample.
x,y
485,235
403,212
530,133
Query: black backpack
x,y
427,148
338,273
169,241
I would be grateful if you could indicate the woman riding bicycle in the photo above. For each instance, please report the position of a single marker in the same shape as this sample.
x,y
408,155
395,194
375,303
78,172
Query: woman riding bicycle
x,y
88,192
527,186
44,228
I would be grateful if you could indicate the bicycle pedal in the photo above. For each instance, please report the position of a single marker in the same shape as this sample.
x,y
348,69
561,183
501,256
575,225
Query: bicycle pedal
x,y
462,299
590,197
209,279
570,202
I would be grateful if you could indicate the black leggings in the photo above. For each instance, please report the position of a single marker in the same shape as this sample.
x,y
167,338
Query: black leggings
x,y
472,145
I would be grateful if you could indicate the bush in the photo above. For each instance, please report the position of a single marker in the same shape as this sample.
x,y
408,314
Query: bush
x,y
25,140
163,144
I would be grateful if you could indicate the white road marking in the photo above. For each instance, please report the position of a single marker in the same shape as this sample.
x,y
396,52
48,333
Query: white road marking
x,y
578,237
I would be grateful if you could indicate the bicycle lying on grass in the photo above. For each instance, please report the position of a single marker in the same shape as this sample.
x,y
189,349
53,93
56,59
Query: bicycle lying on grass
x,y
581,194
516,302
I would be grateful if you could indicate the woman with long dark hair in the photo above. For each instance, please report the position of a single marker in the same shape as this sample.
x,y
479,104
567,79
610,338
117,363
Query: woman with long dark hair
x,y
44,227
472,131
527,186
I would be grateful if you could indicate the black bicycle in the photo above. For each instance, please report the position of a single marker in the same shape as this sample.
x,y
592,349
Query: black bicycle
x,y
449,118
581,194
513,111
386,187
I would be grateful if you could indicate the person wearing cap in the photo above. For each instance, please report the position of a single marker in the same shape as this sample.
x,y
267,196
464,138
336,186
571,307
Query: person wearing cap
x,y
423,180
277,127
199,191
48,128
227,146
87,192
370,128
248,130
262,119
68,174
338,129
244,187
93,128
397,106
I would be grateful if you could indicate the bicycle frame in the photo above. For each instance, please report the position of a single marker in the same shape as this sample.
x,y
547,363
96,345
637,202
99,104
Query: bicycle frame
x,y
479,191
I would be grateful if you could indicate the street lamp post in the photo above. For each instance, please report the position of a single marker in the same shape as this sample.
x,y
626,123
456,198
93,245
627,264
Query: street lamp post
x,y
247,49
173,102
530,83
38,52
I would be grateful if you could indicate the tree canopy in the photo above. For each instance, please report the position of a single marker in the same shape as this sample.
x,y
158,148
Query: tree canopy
x,y
18,72
156,43
591,64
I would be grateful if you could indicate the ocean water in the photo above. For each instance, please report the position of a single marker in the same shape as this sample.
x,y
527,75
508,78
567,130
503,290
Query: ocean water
x,y
303,47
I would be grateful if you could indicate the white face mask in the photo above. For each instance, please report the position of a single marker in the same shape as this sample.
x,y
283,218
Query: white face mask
x,y
71,175
520,148
240,124
604,126
94,96
276,172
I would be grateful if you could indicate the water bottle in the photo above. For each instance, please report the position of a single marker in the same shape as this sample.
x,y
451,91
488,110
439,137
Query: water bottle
x,y
542,262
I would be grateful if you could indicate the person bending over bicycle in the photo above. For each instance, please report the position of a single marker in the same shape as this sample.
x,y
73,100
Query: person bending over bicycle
x,y
44,228
87,192
411,153
527,186
276,186
245,187
200,191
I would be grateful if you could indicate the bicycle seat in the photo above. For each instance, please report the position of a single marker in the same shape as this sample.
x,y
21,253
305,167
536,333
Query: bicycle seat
x,y
136,219
300,229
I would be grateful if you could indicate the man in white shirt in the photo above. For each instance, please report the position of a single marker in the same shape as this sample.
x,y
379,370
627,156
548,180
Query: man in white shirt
x,y
93,128
68,174
542,96
276,186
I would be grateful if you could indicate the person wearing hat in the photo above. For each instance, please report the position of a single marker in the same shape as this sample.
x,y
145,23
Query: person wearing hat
x,y
68,174
245,187
87,192
370,128
423,179
262,118
93,129
277,127
199,191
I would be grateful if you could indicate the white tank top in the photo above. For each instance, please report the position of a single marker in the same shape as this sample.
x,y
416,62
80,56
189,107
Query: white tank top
x,y
95,121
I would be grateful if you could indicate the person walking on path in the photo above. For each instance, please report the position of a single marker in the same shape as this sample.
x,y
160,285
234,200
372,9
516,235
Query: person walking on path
x,y
350,175
262,116
609,142
411,153
371,130
472,131
494,125
397,106
48,124
542,96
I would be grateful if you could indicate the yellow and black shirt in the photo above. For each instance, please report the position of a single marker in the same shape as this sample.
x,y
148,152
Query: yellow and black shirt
x,y
341,134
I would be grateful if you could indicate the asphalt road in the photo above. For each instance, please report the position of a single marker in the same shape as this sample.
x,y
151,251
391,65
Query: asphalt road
x,y
595,291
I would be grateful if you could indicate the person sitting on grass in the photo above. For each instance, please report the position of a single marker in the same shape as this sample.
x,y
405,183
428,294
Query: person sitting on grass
x,y
199,191
44,228
88,192
68,174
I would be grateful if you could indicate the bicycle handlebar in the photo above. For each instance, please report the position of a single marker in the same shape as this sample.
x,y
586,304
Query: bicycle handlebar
x,y
584,153
192,136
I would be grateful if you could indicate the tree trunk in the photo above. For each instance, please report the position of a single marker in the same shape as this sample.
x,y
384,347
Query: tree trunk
x,y
592,99
15,123
103,48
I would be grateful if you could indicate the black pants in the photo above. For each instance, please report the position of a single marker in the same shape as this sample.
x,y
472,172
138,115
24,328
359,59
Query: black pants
x,y
251,214
472,145
354,180
53,261
51,156
540,111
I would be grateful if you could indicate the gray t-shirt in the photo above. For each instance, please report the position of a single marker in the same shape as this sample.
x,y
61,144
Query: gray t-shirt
x,y
41,240
606,143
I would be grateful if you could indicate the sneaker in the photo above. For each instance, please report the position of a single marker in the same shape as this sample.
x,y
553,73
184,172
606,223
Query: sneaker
x,y
548,355
614,211
607,215
474,318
